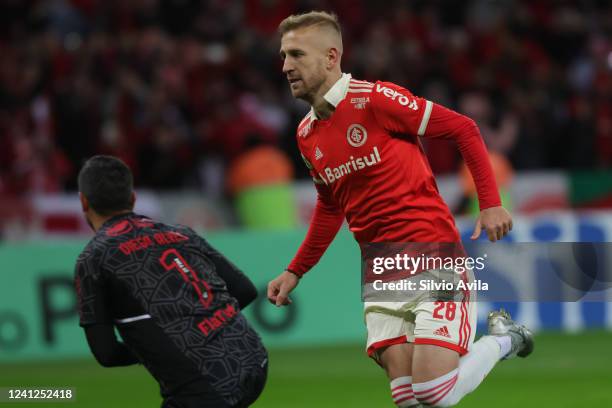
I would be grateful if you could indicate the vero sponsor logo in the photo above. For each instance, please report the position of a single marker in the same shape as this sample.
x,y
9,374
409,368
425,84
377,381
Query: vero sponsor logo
x,y
396,96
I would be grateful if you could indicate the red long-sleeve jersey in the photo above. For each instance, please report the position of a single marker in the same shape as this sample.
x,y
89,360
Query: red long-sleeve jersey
x,y
370,168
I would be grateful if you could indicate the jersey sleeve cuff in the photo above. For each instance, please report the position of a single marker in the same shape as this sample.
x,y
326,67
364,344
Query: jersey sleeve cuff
x,y
299,276
296,270
484,206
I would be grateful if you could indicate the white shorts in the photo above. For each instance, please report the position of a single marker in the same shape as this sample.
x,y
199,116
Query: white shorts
x,y
449,324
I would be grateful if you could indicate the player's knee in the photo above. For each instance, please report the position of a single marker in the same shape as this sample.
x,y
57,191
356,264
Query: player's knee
x,y
439,392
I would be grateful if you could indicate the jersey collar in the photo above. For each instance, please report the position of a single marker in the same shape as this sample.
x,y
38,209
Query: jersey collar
x,y
116,218
336,93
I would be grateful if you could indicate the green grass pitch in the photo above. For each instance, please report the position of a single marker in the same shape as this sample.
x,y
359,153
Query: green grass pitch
x,y
566,370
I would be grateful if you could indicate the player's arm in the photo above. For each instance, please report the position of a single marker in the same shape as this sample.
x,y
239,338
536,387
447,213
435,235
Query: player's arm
x,y
417,116
238,284
95,315
446,123
326,220
108,351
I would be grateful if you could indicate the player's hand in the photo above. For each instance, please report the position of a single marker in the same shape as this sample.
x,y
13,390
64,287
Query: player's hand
x,y
496,221
279,288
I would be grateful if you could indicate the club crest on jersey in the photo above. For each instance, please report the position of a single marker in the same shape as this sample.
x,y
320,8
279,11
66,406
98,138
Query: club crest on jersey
x,y
356,135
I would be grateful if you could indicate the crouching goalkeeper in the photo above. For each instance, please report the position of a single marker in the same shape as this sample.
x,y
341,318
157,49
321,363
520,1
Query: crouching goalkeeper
x,y
175,301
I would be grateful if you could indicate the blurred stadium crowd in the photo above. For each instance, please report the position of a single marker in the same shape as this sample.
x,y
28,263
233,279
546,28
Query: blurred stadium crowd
x,y
181,88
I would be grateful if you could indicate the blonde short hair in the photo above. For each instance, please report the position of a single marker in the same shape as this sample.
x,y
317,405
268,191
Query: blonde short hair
x,y
312,18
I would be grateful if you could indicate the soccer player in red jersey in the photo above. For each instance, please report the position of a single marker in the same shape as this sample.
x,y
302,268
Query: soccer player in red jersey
x,y
360,142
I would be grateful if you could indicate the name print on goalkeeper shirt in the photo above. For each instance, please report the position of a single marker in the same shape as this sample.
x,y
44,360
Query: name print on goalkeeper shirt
x,y
146,241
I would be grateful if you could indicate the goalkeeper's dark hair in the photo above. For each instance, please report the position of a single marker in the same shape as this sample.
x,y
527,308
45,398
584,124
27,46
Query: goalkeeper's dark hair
x,y
107,183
